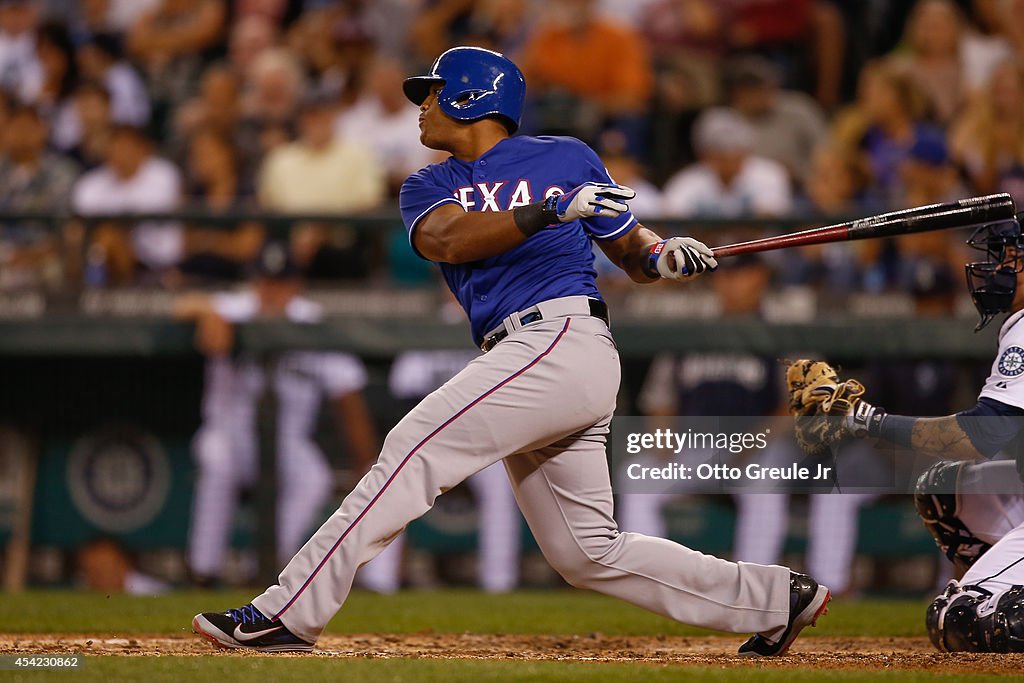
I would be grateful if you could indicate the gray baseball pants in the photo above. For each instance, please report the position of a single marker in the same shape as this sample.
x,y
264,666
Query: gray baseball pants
x,y
541,400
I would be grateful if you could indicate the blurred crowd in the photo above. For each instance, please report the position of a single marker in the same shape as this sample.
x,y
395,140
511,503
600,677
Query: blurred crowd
x,y
725,109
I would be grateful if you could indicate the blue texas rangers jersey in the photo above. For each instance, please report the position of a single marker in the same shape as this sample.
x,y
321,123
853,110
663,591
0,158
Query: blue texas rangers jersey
x,y
555,262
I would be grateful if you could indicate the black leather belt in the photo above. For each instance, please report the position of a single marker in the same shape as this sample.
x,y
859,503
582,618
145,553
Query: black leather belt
x,y
598,309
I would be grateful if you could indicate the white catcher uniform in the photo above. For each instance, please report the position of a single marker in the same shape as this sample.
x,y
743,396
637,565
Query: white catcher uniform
x,y
226,448
998,518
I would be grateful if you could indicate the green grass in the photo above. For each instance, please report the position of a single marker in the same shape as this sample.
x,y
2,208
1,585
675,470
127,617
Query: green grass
x,y
224,669
452,611
446,611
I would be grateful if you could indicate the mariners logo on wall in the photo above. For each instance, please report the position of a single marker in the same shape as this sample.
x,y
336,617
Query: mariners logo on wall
x,y
118,478
1011,362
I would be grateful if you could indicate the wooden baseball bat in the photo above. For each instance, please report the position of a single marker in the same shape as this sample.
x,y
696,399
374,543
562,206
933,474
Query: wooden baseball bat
x,y
959,214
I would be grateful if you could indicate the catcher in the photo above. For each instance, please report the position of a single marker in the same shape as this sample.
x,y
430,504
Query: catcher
x,y
983,535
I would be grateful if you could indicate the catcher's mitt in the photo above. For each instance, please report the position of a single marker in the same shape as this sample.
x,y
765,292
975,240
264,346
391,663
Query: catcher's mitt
x,y
819,401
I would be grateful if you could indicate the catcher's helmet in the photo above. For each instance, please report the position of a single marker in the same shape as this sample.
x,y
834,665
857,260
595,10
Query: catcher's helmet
x,y
477,83
993,282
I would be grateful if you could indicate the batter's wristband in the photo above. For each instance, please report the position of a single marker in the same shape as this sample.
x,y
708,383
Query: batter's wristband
x,y
533,218
897,429
650,267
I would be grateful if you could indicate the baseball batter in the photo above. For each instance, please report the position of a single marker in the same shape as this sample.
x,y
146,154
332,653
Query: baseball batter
x,y
511,221
983,535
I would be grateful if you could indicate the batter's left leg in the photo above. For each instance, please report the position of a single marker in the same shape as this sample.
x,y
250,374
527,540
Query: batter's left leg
x,y
565,493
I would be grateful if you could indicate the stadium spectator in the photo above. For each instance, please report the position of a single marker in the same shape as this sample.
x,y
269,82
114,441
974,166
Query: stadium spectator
x,y
931,55
834,185
1013,25
101,59
320,172
171,42
987,141
278,12
631,13
383,120
214,181
226,446
333,43
218,107
213,177
21,73
928,175
587,74
767,24
31,179
788,125
438,26
806,38
133,179
687,39
271,92
986,44
728,180
98,17
90,107
126,98
882,125
56,55
500,25
249,36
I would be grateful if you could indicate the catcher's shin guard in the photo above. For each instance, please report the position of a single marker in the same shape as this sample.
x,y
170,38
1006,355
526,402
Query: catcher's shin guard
x,y
938,504
962,619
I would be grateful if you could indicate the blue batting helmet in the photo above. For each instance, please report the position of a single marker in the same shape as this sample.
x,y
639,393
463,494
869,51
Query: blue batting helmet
x,y
477,83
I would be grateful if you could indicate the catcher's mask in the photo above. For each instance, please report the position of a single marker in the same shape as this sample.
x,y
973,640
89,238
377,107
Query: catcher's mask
x,y
993,282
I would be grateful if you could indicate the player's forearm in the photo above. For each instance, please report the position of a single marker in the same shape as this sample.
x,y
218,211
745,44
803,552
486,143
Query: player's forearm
x,y
633,264
943,438
631,253
451,235
469,237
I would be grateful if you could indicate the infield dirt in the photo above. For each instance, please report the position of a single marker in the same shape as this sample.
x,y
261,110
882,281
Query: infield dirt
x,y
808,653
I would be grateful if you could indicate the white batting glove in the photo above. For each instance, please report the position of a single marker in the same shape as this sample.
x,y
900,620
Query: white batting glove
x,y
678,258
591,199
